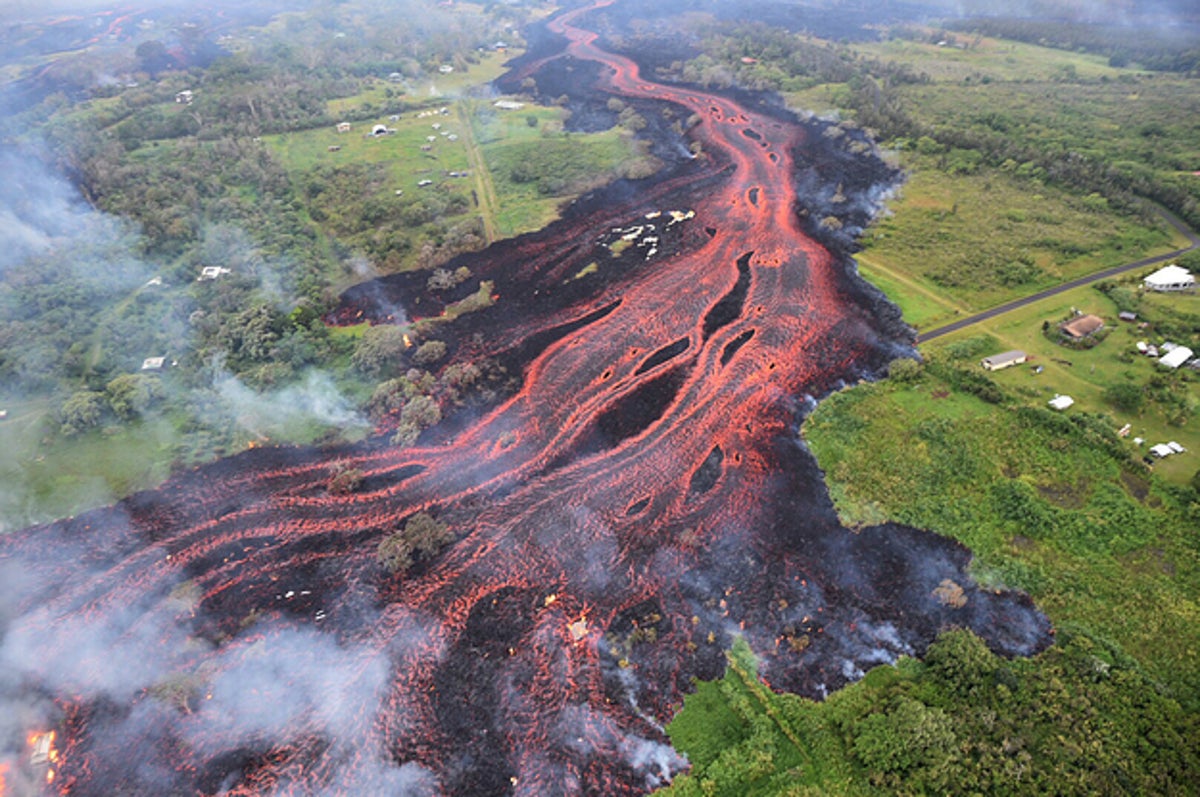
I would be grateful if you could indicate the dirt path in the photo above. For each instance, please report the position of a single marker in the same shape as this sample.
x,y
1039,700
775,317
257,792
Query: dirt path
x,y
485,189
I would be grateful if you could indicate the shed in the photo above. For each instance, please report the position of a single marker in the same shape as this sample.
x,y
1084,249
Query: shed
x,y
185,97
1175,357
1126,315
1161,450
1170,278
1003,360
153,363
1061,402
1082,327
380,130
343,127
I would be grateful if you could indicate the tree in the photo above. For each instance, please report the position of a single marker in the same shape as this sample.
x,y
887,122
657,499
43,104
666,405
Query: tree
x,y
344,478
429,352
381,350
81,411
1125,396
903,738
904,369
422,537
129,395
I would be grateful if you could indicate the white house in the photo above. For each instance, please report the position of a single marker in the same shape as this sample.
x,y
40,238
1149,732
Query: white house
x,y
1003,360
1060,403
1175,357
153,363
1170,278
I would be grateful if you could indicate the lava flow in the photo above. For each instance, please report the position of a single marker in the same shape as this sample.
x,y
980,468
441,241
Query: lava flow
x,y
641,500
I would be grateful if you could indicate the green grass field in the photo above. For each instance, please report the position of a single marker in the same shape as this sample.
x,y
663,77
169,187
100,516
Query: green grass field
x,y
46,477
993,59
971,241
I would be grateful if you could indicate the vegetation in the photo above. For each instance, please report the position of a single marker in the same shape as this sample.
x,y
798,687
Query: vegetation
x,y
251,177
1078,719
421,538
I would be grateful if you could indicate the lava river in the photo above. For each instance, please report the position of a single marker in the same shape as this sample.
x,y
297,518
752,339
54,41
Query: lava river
x,y
639,501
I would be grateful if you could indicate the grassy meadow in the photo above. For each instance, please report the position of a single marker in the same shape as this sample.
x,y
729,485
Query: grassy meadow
x,y
968,241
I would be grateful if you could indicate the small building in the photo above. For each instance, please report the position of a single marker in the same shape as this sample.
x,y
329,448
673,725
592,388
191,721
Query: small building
x,y
1178,449
334,148
424,183
1082,327
1003,360
3,414
508,105
380,130
1060,403
1126,315
1170,278
185,97
445,69
153,363
343,127
212,273
395,77
1161,450
1175,357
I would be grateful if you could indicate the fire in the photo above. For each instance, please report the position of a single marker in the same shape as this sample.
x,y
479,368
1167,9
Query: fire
x,y
407,341
3,779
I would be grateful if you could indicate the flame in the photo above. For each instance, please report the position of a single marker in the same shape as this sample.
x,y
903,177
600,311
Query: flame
x,y
3,777
407,341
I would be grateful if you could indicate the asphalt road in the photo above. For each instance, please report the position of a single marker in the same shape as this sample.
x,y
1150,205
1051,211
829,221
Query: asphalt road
x,y
962,323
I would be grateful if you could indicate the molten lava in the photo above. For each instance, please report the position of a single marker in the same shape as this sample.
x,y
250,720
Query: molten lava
x,y
637,503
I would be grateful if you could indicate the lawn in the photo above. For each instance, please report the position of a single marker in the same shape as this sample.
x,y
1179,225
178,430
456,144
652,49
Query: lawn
x,y
970,241
985,58
45,476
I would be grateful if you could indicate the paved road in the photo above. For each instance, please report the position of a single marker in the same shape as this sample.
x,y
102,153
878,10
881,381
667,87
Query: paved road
x,y
1193,240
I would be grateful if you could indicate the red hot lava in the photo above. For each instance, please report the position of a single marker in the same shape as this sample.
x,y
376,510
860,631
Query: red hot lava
x,y
641,500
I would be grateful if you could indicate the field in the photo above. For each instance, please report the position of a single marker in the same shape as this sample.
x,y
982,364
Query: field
x,y
968,241
981,58
509,169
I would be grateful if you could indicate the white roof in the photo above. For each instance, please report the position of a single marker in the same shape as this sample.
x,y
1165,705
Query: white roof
x,y
1061,402
1178,449
1170,275
1176,357
1161,450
